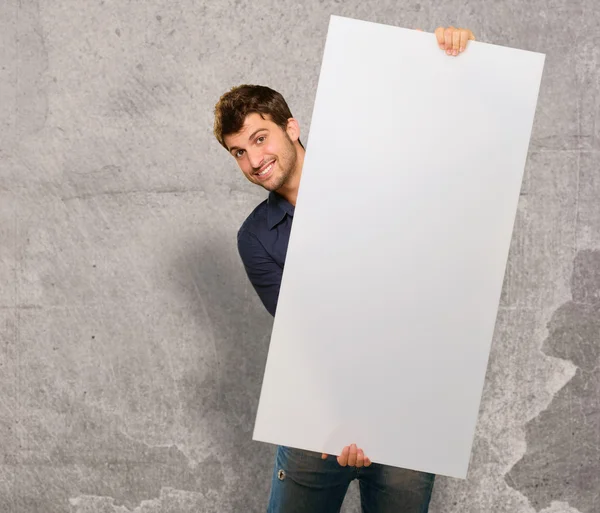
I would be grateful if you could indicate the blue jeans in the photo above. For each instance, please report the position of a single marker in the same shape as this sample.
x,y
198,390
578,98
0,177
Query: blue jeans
x,y
305,483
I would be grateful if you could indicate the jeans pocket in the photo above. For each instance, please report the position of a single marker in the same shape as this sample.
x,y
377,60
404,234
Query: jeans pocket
x,y
307,468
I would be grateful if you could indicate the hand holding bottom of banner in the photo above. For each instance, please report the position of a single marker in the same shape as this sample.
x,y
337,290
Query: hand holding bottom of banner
x,y
353,456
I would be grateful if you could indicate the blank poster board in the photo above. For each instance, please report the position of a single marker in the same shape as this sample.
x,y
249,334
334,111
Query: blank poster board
x,y
398,249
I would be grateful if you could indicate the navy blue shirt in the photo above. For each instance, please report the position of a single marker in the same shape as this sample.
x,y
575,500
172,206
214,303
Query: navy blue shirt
x,y
262,243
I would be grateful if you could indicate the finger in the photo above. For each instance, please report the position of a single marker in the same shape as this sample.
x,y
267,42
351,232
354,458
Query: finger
x,y
439,34
324,456
360,458
352,455
343,458
367,461
464,39
420,30
455,42
471,36
448,40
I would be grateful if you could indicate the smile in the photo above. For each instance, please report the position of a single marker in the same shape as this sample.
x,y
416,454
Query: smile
x,y
266,171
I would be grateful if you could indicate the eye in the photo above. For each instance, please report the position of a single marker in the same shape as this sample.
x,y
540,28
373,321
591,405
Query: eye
x,y
263,137
238,154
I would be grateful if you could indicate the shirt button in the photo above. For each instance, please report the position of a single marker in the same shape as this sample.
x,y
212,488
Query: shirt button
x,y
281,475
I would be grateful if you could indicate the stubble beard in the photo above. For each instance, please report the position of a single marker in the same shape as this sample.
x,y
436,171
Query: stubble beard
x,y
287,164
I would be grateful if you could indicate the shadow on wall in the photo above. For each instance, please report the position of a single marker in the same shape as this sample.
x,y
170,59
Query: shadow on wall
x,y
82,453
234,334
562,460
234,338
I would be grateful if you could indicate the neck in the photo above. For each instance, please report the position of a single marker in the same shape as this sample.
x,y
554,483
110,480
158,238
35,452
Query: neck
x,y
290,189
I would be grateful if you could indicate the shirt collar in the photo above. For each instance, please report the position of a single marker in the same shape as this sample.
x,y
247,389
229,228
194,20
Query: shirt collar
x,y
277,208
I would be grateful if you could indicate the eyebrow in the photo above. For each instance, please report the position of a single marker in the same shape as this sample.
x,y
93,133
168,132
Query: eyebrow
x,y
249,138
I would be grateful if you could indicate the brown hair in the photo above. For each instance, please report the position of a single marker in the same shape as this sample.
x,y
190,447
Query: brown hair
x,y
233,107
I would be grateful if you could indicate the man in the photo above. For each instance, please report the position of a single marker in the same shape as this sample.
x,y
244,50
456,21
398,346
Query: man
x,y
255,125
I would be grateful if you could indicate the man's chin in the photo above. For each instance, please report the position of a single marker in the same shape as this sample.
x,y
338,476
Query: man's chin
x,y
272,185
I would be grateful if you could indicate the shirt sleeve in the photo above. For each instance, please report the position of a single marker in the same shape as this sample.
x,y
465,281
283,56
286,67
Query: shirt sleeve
x,y
262,270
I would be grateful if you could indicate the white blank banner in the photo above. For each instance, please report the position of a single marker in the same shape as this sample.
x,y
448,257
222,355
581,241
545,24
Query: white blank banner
x,y
398,249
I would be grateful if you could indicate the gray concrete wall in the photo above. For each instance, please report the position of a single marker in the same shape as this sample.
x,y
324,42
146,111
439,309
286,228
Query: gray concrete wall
x,y
132,345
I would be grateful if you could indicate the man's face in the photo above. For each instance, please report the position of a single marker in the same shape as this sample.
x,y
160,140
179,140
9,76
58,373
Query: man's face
x,y
265,153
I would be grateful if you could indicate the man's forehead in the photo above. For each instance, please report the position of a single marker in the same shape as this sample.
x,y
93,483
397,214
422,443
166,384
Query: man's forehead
x,y
254,120
252,123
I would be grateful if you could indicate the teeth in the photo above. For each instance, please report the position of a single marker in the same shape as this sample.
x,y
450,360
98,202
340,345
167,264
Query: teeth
x,y
267,169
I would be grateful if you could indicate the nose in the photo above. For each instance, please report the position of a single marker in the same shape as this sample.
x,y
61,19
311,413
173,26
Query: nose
x,y
255,157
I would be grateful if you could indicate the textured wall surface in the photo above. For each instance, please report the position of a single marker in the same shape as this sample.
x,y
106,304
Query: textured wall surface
x,y
133,346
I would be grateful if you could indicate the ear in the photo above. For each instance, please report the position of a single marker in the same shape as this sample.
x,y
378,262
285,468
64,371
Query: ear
x,y
293,129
